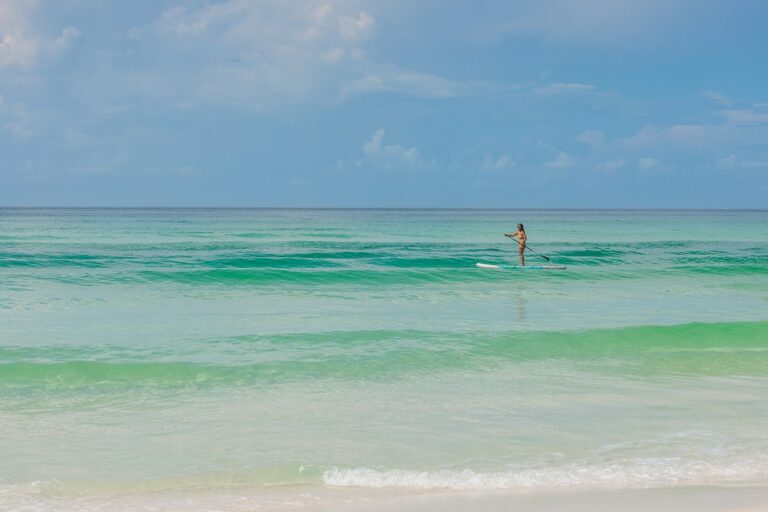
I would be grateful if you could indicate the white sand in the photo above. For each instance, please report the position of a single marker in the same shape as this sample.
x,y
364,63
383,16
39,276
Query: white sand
x,y
692,499
328,499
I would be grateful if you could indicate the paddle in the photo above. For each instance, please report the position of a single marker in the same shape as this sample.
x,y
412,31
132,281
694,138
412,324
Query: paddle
x,y
526,246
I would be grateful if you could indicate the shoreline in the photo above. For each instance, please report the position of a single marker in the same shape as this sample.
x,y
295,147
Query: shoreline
x,y
694,499
734,498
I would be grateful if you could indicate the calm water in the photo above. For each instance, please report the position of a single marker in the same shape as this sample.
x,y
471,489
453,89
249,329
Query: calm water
x,y
238,359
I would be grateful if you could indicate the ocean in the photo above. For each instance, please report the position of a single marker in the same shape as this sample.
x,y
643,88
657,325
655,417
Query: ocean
x,y
257,359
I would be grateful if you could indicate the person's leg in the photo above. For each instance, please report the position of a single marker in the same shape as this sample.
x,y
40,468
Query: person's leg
x,y
522,254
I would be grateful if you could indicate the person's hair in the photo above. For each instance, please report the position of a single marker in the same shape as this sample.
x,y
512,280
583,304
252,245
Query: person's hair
x,y
520,226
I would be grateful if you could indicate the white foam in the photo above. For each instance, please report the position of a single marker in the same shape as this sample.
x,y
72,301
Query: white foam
x,y
342,485
638,474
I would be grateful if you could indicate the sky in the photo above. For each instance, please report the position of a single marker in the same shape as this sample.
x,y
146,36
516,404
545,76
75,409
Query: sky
x,y
396,103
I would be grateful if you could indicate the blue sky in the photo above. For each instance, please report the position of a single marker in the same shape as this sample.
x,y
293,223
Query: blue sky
x,y
510,104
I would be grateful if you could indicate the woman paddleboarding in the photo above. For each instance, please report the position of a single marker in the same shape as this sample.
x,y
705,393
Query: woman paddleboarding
x,y
520,236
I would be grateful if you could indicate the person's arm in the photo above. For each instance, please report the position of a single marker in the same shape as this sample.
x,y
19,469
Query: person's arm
x,y
510,235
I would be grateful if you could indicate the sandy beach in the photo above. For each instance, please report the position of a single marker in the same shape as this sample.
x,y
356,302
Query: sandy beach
x,y
692,499
286,499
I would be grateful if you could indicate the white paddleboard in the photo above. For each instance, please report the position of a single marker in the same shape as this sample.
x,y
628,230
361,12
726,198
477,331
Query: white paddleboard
x,y
520,267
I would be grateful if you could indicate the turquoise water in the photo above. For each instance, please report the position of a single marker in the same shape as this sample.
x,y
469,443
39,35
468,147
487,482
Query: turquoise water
x,y
277,358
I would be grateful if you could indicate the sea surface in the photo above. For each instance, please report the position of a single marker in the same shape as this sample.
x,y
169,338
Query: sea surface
x,y
249,359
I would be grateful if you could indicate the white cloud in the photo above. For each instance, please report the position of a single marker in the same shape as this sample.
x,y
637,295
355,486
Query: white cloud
x,y
267,24
75,139
265,54
16,119
15,49
262,52
334,55
17,45
731,162
593,138
20,130
613,165
181,22
647,165
22,44
376,150
497,164
65,41
717,98
582,22
727,162
559,89
563,161
746,117
680,134
356,28
399,81
739,126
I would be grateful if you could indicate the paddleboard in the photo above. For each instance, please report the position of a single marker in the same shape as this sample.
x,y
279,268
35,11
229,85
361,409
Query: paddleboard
x,y
519,267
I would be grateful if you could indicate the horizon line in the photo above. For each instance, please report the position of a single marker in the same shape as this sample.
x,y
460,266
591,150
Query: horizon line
x,y
379,208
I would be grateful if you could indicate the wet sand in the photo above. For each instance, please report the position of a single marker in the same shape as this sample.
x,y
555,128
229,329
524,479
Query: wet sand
x,y
693,499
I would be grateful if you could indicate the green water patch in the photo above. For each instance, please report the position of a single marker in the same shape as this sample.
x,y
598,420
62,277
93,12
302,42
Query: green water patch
x,y
262,261
690,350
255,234
311,234
722,258
593,252
749,269
376,271
338,255
25,260
310,276
693,257
430,262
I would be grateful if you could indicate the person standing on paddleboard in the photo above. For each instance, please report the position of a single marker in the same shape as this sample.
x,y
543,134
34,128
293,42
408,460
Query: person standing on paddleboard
x,y
521,238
